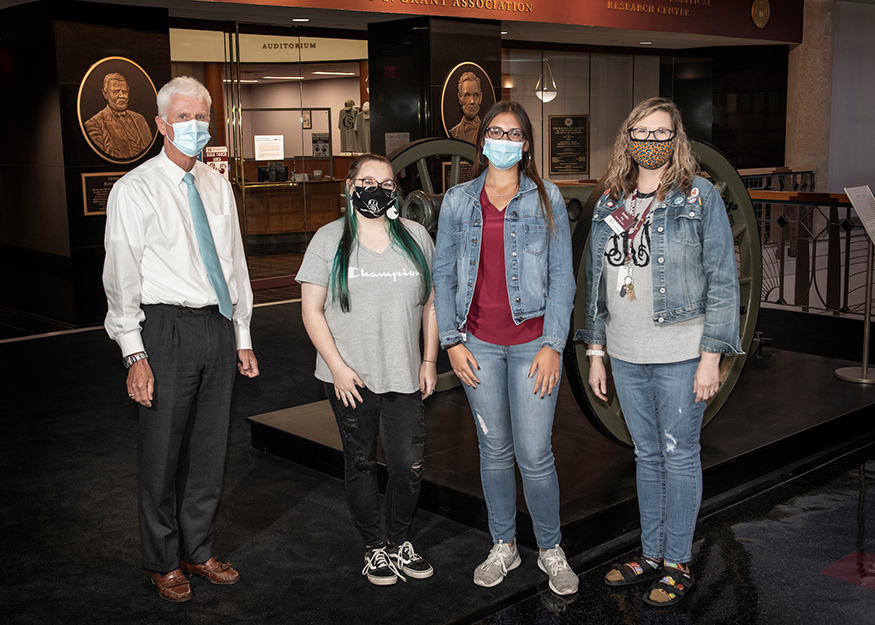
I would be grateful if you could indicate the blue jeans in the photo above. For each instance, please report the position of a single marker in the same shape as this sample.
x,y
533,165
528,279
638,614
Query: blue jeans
x,y
513,422
665,423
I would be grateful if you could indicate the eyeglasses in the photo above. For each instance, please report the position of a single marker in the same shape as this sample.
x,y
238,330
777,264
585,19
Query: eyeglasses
x,y
515,134
644,134
369,184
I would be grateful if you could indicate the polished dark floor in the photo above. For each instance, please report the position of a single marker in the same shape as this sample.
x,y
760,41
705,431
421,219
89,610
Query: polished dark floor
x,y
800,553
68,519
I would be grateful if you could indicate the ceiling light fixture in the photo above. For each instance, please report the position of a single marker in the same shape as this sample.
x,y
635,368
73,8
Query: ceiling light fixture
x,y
646,43
283,77
546,87
301,19
333,73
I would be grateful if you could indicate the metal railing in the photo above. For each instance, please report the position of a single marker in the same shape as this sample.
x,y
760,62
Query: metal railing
x,y
813,244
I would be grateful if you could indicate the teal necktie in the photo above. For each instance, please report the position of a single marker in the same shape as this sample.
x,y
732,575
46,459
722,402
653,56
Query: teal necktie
x,y
208,248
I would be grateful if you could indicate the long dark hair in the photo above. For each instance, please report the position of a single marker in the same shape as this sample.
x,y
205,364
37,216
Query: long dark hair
x,y
527,165
398,235
622,175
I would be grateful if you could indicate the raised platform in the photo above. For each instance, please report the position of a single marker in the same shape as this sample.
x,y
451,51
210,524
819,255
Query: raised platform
x,y
786,408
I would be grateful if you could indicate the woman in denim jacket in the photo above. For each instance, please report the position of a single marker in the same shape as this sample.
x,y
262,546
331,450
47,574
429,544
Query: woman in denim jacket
x,y
662,295
504,291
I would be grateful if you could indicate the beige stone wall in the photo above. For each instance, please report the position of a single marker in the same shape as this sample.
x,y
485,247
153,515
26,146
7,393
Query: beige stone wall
x,y
809,92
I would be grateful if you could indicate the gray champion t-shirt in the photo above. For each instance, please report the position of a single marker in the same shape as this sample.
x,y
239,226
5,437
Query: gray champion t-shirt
x,y
379,336
632,335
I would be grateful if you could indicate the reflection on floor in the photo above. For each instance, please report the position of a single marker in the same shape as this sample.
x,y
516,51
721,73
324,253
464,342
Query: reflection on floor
x,y
799,553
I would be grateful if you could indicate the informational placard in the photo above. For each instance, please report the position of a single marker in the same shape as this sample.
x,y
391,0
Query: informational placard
x,y
217,158
395,140
269,148
569,144
864,204
95,190
466,172
320,144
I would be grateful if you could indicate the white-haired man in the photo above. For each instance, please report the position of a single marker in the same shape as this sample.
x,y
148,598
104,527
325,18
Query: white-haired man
x,y
179,301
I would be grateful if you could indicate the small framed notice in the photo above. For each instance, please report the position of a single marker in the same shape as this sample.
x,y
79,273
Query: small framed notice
x,y
569,144
269,148
95,190
395,140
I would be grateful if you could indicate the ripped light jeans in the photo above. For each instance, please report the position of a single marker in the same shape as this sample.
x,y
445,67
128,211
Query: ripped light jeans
x,y
514,423
659,406
399,419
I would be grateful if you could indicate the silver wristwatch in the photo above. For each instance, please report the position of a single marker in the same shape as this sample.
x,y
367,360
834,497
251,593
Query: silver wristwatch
x,y
129,360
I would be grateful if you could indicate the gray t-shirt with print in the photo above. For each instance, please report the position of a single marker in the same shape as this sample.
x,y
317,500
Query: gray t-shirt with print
x,y
632,335
379,337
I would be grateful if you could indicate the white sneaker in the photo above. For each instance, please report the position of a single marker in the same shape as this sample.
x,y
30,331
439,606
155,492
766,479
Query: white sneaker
x,y
502,558
563,580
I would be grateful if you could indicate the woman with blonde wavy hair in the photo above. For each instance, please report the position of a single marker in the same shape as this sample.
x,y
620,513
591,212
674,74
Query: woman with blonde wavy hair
x,y
662,303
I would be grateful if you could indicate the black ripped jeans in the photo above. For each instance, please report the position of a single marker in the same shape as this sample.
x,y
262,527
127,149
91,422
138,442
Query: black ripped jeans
x,y
399,420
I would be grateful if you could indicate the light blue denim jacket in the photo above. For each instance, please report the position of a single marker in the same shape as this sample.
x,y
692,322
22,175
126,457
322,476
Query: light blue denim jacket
x,y
540,281
693,266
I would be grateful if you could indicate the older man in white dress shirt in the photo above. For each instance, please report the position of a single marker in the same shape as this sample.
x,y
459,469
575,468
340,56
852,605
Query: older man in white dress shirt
x,y
180,303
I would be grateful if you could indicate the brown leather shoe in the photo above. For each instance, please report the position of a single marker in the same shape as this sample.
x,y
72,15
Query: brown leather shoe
x,y
215,571
173,586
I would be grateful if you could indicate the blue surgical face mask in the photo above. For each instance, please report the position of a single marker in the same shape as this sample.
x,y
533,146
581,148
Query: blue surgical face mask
x,y
190,137
503,154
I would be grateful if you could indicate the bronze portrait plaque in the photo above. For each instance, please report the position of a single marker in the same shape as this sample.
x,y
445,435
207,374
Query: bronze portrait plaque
x,y
759,13
116,107
467,92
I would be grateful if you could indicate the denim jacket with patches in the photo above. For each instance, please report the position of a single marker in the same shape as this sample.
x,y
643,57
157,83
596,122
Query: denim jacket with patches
x,y
540,280
693,266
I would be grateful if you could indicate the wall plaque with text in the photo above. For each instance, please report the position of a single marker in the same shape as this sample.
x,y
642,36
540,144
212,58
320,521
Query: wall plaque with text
x,y
95,190
569,144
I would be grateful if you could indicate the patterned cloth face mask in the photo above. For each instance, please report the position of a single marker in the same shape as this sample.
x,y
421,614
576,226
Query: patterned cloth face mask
x,y
374,203
651,154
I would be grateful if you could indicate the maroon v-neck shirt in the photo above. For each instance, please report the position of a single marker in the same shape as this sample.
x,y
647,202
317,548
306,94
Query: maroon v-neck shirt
x,y
490,318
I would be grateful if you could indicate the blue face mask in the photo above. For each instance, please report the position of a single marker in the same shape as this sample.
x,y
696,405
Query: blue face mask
x,y
503,154
190,137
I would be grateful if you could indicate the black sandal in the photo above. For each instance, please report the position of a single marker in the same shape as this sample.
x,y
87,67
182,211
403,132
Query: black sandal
x,y
634,572
674,583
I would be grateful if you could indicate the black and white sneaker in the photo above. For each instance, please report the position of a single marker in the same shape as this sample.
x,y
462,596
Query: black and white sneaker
x,y
380,568
409,561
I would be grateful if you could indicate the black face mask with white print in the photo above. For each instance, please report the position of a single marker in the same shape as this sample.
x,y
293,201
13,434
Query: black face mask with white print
x,y
373,203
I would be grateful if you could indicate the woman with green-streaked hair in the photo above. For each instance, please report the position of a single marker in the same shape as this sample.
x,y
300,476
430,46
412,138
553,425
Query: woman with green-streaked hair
x,y
366,296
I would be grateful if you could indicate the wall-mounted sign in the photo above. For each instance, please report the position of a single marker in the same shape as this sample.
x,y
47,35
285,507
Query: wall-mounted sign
x,y
395,140
117,109
95,190
569,144
466,94
705,17
217,158
269,148
320,144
